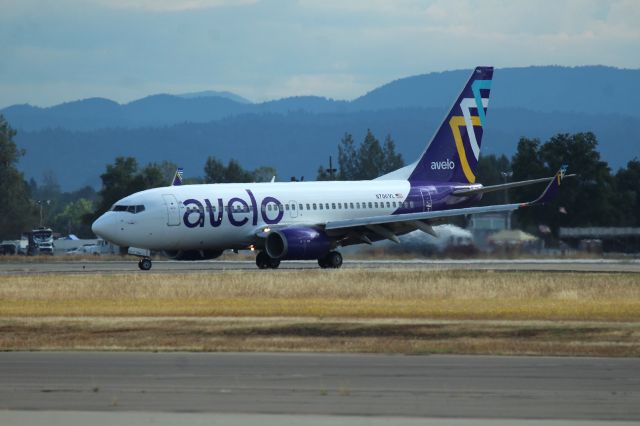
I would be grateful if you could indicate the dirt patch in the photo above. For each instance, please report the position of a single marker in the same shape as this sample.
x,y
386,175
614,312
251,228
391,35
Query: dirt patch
x,y
335,335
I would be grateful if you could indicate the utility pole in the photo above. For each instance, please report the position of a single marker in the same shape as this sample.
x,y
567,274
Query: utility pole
x,y
331,170
41,204
505,176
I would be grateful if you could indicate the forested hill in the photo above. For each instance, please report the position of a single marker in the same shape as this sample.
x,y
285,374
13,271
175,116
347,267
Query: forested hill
x,y
76,140
590,90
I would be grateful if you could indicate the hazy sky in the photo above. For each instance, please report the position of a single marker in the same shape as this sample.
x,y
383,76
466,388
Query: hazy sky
x,y
59,50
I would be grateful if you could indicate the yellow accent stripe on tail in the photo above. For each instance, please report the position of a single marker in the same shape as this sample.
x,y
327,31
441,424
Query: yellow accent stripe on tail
x,y
455,123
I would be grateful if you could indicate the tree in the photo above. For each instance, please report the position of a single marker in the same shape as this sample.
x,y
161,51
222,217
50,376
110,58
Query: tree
x,y
167,170
264,174
347,159
370,158
235,173
214,171
49,189
17,212
587,199
490,168
154,175
322,174
70,220
118,181
628,193
392,160
365,161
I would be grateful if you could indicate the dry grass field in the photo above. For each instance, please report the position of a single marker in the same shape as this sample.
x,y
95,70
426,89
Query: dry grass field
x,y
401,311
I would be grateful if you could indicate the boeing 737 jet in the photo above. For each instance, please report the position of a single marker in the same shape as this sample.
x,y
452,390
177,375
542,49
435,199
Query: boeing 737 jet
x,y
310,220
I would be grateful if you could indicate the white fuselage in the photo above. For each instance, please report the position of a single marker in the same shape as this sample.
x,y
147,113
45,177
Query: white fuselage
x,y
189,217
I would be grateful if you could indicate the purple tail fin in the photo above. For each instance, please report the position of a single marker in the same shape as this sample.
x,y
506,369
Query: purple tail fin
x,y
177,178
452,155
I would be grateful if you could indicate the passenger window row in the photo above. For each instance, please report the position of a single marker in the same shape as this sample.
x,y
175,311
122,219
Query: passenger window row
x,y
314,206
301,206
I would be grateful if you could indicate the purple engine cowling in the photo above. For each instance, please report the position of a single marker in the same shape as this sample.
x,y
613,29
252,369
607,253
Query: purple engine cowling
x,y
297,243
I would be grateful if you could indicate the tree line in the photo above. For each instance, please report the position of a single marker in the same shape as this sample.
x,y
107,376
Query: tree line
x,y
368,160
596,197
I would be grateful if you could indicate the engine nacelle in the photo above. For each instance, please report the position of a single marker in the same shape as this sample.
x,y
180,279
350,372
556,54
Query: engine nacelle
x,y
193,254
297,243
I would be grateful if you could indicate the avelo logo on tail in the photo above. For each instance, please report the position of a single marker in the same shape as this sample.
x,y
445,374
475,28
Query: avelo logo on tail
x,y
443,165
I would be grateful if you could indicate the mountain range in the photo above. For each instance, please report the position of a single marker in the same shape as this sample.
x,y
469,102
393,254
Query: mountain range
x,y
77,139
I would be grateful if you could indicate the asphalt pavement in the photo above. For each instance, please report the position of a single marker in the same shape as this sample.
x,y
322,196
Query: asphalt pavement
x,y
169,266
475,387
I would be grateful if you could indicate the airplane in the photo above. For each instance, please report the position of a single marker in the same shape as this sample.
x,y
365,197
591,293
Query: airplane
x,y
310,220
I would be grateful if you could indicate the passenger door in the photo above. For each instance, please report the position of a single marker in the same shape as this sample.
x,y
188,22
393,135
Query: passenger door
x,y
173,210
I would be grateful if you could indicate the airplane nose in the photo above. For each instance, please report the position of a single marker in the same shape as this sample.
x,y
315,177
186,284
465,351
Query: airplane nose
x,y
101,227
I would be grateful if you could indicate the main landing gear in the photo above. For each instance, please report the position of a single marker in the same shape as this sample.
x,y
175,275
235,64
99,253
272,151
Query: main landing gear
x,y
265,262
333,260
144,264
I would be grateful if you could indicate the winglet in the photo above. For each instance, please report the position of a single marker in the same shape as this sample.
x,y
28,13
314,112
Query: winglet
x,y
177,178
551,190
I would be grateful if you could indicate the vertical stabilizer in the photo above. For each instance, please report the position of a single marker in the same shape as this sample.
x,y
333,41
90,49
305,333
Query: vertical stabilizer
x,y
453,152
177,178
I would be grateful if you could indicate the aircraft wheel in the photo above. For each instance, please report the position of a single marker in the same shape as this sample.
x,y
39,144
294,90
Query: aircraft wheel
x,y
334,260
274,263
262,260
144,264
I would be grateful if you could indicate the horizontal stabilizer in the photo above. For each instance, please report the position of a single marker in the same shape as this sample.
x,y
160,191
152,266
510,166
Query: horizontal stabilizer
x,y
492,188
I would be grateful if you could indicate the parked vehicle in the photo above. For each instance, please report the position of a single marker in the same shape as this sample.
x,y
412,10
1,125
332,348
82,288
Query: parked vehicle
x,y
40,241
8,248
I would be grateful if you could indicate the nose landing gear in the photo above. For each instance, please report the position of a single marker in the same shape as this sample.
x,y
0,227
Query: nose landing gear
x,y
144,264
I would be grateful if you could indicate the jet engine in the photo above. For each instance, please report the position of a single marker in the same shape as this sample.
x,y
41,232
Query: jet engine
x,y
192,254
297,243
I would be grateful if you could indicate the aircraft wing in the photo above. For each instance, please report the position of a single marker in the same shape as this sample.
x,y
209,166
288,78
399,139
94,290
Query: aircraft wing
x,y
376,224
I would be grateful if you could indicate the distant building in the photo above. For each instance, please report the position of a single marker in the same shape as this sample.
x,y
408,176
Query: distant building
x,y
606,239
514,240
482,226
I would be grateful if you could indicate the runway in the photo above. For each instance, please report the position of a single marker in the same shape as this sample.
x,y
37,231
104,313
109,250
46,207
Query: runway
x,y
323,384
169,266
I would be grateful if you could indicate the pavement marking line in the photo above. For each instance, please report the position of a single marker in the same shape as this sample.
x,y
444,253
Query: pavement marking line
x,y
101,418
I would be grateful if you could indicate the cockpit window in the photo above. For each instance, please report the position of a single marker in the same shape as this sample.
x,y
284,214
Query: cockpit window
x,y
129,209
